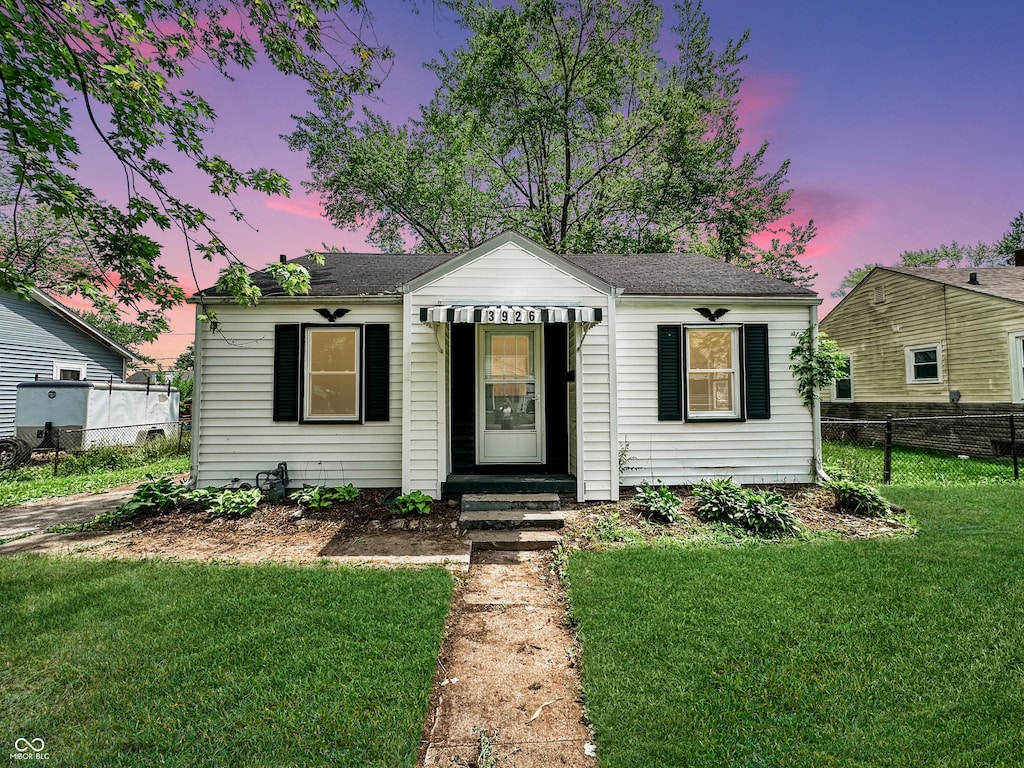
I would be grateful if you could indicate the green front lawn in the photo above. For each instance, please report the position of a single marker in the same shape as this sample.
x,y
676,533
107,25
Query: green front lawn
x,y
181,664
904,652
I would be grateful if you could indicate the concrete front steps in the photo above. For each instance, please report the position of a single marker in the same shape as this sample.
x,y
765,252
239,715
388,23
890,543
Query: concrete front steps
x,y
511,521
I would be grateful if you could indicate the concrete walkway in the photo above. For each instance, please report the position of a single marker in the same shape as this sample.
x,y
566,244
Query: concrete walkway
x,y
37,516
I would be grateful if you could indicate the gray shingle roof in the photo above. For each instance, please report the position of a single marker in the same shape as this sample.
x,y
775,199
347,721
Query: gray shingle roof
x,y
681,274
1002,282
653,274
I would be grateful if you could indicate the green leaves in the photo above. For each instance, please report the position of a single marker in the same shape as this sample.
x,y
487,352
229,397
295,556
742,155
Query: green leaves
x,y
560,120
764,514
121,61
817,361
413,502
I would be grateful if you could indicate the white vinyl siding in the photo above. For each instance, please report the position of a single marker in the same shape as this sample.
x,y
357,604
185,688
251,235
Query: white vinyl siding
x,y
507,275
234,432
775,450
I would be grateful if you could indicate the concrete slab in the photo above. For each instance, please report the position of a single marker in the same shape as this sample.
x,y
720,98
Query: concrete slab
x,y
481,501
513,539
400,547
511,519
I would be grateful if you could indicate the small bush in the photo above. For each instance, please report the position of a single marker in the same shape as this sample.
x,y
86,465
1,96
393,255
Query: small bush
x,y
225,502
857,498
765,514
156,496
657,502
719,500
414,501
240,503
320,497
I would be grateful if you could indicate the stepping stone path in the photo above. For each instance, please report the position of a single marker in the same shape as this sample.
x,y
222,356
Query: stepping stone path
x,y
507,677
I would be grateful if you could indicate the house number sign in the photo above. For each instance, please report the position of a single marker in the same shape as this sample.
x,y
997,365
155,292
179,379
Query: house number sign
x,y
510,315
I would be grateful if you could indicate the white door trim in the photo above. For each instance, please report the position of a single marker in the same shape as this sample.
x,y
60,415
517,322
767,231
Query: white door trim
x,y
516,443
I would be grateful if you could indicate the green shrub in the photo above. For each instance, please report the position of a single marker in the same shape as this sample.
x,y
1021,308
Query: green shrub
x,y
238,503
857,498
765,514
768,514
657,502
321,497
155,496
225,502
719,500
414,501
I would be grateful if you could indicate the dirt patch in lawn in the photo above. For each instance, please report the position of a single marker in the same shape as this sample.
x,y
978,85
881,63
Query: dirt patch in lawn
x,y
365,529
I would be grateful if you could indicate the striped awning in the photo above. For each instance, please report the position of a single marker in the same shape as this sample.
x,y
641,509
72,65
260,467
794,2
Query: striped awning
x,y
508,314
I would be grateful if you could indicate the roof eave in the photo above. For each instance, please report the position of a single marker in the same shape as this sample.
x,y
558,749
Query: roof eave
x,y
59,309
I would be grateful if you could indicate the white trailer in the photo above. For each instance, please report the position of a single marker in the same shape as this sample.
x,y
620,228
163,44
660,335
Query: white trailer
x,y
90,413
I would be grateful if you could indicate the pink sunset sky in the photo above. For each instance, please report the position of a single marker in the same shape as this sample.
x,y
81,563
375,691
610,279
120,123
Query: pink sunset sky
x,y
903,122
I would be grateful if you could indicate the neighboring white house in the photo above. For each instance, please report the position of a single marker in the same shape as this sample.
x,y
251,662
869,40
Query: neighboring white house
x,y
427,371
43,339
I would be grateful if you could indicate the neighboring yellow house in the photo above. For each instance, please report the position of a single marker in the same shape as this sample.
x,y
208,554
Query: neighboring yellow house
x,y
930,341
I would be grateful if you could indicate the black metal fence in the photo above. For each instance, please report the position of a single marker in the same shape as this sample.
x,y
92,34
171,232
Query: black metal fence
x,y
925,449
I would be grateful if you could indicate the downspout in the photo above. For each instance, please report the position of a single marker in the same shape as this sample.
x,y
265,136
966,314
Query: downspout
x,y
819,471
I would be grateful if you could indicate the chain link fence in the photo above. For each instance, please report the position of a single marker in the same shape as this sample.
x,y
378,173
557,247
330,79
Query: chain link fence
x,y
58,444
953,450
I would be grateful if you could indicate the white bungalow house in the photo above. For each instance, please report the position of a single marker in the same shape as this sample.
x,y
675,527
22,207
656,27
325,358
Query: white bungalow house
x,y
445,372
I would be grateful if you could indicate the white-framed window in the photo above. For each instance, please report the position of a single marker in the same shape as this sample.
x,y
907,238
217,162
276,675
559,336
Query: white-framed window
x,y
66,371
331,385
842,388
1017,366
924,364
712,373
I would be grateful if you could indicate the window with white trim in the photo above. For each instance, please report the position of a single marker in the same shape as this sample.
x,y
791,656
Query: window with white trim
x,y
331,382
924,364
842,388
712,373
65,371
1017,366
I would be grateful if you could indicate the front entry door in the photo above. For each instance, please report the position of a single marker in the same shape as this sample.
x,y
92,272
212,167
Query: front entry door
x,y
510,404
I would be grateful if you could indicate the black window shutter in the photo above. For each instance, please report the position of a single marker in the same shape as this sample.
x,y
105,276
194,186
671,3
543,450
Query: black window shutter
x,y
670,375
286,372
377,373
755,367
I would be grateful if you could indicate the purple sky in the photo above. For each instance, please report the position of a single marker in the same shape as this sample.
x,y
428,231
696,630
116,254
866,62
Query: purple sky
x,y
904,123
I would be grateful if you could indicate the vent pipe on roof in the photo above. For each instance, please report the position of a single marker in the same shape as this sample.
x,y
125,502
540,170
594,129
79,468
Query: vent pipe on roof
x,y
1018,258
282,258
973,279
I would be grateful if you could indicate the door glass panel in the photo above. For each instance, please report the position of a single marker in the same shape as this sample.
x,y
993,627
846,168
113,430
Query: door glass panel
x,y
510,387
